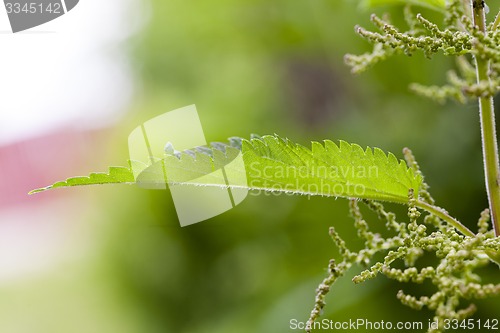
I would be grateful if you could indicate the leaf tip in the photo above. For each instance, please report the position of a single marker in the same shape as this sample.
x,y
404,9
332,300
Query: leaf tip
x,y
38,190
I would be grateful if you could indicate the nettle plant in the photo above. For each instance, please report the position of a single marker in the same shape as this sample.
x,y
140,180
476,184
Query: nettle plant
x,y
370,177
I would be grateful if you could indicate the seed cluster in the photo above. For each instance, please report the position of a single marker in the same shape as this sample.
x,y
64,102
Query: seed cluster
x,y
460,38
456,257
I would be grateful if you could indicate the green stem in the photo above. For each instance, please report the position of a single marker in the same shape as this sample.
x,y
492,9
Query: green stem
x,y
443,215
488,133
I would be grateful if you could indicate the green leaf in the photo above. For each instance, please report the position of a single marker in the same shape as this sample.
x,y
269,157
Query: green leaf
x,y
327,169
115,175
433,4
271,163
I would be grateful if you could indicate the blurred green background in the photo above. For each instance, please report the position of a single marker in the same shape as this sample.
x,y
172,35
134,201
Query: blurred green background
x,y
252,67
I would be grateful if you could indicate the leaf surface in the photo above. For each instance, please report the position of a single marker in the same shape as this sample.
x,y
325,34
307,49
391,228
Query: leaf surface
x,y
271,163
115,175
328,169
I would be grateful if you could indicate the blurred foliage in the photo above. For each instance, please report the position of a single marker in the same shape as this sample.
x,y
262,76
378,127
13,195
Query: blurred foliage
x,y
435,4
263,67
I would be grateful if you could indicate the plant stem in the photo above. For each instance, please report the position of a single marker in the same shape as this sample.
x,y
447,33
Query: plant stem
x,y
488,133
443,215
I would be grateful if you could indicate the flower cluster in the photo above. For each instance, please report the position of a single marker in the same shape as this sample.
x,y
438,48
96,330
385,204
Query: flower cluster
x,y
459,38
457,258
